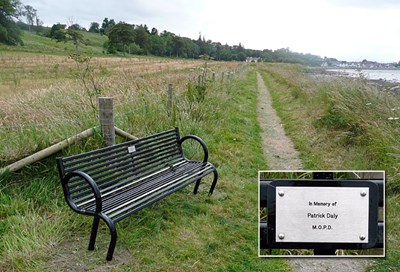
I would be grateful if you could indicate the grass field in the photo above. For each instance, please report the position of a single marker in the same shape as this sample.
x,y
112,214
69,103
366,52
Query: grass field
x,y
39,44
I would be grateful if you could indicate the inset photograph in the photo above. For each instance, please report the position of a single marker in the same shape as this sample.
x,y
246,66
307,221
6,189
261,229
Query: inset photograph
x,y
321,213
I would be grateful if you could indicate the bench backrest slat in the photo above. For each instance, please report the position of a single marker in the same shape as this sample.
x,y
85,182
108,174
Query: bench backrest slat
x,y
115,166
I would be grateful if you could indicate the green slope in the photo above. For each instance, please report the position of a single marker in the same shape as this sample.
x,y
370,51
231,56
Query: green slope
x,y
40,44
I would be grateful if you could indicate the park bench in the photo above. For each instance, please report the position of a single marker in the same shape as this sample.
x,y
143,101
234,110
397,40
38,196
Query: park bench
x,y
114,182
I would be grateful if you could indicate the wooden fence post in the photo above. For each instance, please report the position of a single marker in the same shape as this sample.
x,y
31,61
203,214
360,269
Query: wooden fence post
x,y
205,73
223,75
213,76
170,97
106,116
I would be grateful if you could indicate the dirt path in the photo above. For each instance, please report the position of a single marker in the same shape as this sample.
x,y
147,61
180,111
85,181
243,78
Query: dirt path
x,y
281,155
278,148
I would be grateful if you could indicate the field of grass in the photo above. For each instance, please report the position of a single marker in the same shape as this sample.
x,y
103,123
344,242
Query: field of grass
x,y
183,232
42,62
39,44
23,71
45,108
339,124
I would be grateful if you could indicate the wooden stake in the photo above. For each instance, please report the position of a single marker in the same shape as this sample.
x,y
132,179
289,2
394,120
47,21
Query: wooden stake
x,y
47,151
106,115
170,97
124,134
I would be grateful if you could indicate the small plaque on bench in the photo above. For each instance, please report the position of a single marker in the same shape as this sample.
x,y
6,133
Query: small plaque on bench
x,y
322,214
131,149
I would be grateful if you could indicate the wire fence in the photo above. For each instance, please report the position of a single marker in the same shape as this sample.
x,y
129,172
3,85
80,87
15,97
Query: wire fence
x,y
57,118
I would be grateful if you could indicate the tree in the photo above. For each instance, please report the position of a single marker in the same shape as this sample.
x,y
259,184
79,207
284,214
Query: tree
x,y
178,45
94,27
30,15
241,56
168,39
158,45
106,26
267,55
75,36
142,37
9,31
58,32
75,27
201,42
122,34
154,32
61,34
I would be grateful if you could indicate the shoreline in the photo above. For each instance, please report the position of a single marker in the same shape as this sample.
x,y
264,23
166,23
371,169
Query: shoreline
x,y
381,84
362,68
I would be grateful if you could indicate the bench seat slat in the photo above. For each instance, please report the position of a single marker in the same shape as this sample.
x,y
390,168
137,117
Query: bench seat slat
x,y
113,148
120,155
128,198
108,172
88,200
166,176
121,181
114,179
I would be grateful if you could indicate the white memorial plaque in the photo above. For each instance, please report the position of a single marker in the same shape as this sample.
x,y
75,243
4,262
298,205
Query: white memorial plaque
x,y
322,214
131,149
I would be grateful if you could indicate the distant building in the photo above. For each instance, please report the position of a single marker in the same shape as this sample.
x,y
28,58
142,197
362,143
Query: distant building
x,y
251,59
365,64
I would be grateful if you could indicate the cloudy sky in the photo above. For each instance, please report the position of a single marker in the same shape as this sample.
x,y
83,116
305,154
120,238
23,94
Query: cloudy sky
x,y
350,30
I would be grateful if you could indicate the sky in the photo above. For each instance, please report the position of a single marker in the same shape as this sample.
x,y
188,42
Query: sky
x,y
351,30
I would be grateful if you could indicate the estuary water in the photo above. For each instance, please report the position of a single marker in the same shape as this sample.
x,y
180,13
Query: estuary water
x,y
387,75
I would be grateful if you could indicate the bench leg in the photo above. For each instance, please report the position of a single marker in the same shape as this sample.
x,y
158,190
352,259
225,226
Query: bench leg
x,y
113,241
214,182
93,234
196,186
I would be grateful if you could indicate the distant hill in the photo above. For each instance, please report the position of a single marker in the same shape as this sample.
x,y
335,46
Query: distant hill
x,y
41,44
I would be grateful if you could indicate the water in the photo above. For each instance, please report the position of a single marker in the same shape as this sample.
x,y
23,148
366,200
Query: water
x,y
387,75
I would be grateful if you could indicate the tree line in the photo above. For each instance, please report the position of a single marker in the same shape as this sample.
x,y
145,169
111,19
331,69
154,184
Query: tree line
x,y
136,39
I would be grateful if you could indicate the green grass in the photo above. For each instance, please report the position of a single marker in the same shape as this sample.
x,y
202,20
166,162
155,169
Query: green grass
x,y
342,125
183,232
39,44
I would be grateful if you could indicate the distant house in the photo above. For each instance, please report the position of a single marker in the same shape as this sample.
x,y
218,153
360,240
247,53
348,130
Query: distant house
x,y
365,64
251,59
369,64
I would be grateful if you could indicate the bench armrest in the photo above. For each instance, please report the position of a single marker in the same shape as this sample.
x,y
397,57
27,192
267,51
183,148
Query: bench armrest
x,y
92,184
203,144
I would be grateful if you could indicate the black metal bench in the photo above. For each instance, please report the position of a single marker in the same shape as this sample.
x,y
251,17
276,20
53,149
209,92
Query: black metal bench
x,y
114,182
